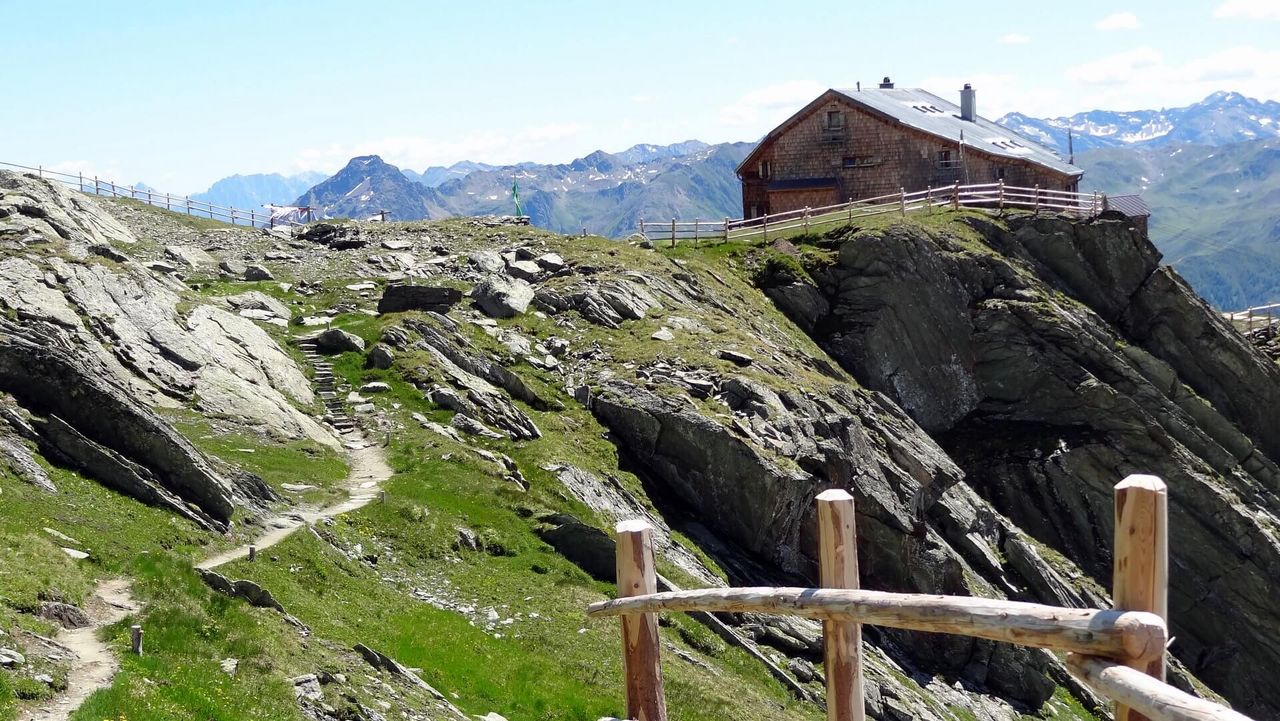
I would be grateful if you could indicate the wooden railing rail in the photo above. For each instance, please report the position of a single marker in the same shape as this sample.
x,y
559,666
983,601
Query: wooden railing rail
x,y
179,204
988,196
1118,652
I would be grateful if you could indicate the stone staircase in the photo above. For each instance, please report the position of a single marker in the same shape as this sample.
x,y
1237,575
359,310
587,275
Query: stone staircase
x,y
335,410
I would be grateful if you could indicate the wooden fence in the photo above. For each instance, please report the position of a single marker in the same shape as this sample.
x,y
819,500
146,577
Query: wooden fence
x,y
178,204
1262,317
990,196
1118,652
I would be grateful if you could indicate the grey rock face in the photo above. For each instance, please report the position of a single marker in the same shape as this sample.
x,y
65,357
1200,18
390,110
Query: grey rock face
x,y
257,300
38,363
502,297
29,205
487,261
380,356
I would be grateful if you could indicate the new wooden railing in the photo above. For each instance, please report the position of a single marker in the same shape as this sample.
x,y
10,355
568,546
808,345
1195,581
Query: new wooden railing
x,y
1119,652
991,196
179,204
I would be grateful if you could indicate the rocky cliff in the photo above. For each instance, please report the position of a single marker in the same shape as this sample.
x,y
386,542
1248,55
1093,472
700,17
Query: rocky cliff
x,y
1050,358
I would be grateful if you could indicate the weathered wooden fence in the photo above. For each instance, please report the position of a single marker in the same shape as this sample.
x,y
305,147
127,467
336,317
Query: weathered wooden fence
x,y
1261,317
990,196
178,204
1119,652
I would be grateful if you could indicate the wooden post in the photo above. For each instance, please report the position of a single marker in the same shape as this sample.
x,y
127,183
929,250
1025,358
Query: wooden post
x,y
640,644
382,496
806,219
40,171
1000,197
1248,322
135,639
695,232
253,553
233,215
902,201
766,227
673,232
1037,206
81,182
1141,572
726,230
841,640
955,196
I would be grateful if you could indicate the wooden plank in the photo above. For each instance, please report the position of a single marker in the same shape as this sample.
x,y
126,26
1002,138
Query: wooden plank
x,y
641,660
1109,633
1145,695
1141,568
841,640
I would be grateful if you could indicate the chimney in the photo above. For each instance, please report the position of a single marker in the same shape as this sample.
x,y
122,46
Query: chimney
x,y
968,103
886,84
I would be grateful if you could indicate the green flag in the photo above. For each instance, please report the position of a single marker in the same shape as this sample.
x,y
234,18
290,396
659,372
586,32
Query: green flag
x,y
515,193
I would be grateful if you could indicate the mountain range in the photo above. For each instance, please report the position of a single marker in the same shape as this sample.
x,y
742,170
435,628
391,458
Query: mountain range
x,y
603,193
252,191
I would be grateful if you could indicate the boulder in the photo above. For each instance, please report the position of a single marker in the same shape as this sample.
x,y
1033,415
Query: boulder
x,y
525,270
590,548
257,300
257,272
193,258
502,297
64,614
487,261
336,340
399,298
380,357
550,262
233,268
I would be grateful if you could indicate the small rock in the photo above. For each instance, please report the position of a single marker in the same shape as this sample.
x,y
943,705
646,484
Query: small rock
x,y
467,541
397,244
296,487
229,666
363,408
361,286
64,613
257,272
160,266
663,334
43,678
78,555
741,360
11,659
375,387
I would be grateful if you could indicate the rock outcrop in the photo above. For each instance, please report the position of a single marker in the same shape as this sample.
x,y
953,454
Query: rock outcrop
x,y
1050,358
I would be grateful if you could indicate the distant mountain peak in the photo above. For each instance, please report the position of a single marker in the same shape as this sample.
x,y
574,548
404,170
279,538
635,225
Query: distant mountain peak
x,y
1221,117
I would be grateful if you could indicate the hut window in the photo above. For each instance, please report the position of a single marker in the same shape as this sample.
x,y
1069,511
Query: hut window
x,y
835,120
764,168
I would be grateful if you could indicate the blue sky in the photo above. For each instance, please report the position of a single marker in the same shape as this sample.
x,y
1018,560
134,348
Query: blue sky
x,y
179,94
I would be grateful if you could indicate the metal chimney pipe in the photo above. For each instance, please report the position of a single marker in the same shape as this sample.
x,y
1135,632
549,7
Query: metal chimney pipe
x,y
968,103
886,84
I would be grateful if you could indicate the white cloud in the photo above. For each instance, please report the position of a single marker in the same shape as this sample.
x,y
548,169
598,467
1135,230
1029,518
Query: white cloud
x,y
1118,21
770,105
1015,39
1142,77
418,152
1250,9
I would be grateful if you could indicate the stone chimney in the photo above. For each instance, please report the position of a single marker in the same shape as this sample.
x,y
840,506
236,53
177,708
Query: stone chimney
x,y
886,84
968,103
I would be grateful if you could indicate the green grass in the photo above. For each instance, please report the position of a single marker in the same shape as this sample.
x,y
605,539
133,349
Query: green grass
x,y
193,222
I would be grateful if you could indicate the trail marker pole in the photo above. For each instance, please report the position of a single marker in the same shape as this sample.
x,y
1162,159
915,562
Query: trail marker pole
x,y
253,553
841,640
1141,574
641,663
135,639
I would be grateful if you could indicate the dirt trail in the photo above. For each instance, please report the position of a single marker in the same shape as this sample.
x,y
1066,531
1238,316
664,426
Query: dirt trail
x,y
93,665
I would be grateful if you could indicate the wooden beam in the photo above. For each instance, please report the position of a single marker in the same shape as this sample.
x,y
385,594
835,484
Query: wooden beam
x,y
1143,694
1141,571
841,640
641,662
1113,634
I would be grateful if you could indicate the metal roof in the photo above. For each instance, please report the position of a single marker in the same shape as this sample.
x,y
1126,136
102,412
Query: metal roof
x,y
1131,205
929,113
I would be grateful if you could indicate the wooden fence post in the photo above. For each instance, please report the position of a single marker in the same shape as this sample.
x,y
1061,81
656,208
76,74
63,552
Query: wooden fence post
x,y
841,640
766,227
135,639
253,553
1141,572
902,201
695,232
1000,201
641,663
955,196
1037,206
726,230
